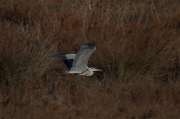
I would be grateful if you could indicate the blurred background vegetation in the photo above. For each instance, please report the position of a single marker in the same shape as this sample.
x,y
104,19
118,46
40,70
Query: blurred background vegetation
x,y
137,47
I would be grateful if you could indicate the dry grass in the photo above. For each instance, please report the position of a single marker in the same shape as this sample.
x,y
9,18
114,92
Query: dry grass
x,y
137,48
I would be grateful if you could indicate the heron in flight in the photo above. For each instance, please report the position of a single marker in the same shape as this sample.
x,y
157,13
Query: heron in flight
x,y
77,63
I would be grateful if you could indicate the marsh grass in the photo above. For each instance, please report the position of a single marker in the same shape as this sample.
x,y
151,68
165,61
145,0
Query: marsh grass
x,y
137,49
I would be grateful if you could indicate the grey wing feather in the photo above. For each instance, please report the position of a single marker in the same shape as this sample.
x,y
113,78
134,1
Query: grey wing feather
x,y
63,56
66,58
82,57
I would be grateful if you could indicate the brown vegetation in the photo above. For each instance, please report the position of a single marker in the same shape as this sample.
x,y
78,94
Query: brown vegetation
x,y
137,48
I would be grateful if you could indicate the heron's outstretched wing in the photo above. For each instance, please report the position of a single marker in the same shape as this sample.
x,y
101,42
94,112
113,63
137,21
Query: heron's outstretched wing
x,y
66,58
82,57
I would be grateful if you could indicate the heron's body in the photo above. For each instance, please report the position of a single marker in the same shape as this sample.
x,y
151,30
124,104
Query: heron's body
x,y
77,63
88,72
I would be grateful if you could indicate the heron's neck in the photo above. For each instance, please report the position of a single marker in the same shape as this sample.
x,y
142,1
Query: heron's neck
x,y
90,69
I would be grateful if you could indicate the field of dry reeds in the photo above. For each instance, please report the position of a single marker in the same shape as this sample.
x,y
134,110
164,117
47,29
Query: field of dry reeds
x,y
138,49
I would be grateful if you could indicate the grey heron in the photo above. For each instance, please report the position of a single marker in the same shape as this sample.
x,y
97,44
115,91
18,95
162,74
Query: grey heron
x,y
77,63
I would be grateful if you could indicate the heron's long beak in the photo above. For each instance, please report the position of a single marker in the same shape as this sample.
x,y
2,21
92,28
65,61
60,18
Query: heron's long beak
x,y
98,70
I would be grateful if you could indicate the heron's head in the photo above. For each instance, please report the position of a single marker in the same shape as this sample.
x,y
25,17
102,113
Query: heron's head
x,y
94,69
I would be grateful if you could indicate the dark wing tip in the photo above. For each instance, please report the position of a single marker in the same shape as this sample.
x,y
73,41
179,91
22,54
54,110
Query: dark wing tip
x,y
91,45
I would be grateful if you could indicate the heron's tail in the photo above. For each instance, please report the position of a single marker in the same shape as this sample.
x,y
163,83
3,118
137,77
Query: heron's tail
x,y
66,72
